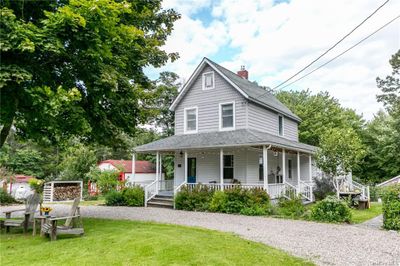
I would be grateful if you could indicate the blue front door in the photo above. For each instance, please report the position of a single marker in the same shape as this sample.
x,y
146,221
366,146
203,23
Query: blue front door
x,y
191,170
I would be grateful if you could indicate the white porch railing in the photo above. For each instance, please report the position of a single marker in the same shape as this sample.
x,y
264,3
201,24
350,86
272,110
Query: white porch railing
x,y
150,191
306,190
276,190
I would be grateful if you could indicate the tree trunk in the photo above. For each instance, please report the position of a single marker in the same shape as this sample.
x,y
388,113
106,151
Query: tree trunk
x,y
6,130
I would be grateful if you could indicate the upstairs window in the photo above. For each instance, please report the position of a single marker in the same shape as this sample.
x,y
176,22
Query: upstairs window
x,y
208,81
227,116
191,120
280,125
228,166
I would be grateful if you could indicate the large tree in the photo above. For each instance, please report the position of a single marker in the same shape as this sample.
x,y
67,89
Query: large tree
x,y
319,113
76,67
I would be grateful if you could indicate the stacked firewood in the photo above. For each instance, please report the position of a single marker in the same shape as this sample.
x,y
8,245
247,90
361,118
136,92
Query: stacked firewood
x,y
66,193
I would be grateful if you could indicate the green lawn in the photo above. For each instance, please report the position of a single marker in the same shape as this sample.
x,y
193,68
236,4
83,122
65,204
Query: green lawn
x,y
119,242
359,216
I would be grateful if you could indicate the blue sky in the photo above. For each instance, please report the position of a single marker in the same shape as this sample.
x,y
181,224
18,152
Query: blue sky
x,y
275,39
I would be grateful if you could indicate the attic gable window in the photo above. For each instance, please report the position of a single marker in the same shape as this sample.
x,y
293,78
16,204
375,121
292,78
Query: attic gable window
x,y
208,81
280,125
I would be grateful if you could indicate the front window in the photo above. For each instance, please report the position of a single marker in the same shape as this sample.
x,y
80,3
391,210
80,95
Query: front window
x,y
280,122
290,168
227,116
208,80
228,166
191,120
260,168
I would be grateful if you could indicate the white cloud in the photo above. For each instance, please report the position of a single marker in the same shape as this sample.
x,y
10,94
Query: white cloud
x,y
275,41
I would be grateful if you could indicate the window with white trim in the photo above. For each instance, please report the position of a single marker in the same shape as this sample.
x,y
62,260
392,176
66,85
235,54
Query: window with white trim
x,y
280,125
227,119
191,120
208,81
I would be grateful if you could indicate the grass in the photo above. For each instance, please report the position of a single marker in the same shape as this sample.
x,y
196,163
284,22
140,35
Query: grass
x,y
120,242
359,216
100,201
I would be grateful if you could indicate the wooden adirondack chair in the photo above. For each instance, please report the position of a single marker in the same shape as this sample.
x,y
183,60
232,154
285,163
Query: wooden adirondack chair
x,y
31,204
72,226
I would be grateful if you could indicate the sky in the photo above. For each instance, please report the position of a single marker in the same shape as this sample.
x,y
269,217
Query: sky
x,y
275,39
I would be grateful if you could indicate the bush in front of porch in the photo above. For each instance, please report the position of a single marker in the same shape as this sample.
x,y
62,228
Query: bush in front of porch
x,y
129,196
236,200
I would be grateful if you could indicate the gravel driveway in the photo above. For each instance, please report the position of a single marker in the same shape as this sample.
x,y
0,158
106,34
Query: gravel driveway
x,y
325,244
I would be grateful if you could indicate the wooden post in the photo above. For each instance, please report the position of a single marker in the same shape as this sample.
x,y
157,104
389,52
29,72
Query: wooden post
x,y
265,167
310,167
133,166
186,167
298,169
221,168
283,166
52,192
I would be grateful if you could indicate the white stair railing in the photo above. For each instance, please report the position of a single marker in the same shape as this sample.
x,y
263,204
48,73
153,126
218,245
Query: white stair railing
x,y
306,190
150,191
290,191
276,190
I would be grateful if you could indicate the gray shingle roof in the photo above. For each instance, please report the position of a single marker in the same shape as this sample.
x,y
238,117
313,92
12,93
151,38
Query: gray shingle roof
x,y
240,137
256,93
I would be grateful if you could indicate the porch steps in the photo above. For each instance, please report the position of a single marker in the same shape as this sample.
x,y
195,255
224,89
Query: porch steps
x,y
161,201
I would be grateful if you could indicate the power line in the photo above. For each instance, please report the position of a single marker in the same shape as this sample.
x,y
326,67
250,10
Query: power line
x,y
342,53
327,51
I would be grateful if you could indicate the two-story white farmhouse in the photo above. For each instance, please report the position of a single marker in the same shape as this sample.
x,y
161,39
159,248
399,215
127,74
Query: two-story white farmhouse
x,y
231,132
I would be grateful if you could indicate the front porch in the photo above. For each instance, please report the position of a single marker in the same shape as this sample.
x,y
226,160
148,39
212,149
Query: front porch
x,y
279,171
225,159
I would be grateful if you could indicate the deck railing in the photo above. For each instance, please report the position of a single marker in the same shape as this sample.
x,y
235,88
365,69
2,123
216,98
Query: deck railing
x,y
276,190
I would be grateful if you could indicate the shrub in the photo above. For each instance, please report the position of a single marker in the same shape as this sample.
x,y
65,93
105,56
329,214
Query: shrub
x,y
106,181
133,196
374,193
323,188
391,207
253,201
194,199
291,207
6,198
218,202
115,198
331,209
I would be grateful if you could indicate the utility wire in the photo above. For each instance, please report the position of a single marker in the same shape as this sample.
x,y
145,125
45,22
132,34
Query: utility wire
x,y
342,53
344,37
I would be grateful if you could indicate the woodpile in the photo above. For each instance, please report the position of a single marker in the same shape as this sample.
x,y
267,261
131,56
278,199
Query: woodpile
x,y
66,192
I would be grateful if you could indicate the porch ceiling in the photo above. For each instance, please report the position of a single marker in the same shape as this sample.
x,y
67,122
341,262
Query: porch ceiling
x,y
219,139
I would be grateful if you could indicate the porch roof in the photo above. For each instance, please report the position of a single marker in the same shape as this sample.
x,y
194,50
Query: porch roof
x,y
219,139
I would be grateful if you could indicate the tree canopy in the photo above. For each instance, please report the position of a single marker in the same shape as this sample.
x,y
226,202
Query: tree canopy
x,y
75,68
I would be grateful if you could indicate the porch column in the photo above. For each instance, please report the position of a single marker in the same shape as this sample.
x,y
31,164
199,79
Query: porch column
x,y
298,169
185,166
265,167
157,169
133,166
221,168
310,167
283,166
160,168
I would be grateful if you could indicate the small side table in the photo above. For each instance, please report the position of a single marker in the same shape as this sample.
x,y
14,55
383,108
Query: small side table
x,y
42,219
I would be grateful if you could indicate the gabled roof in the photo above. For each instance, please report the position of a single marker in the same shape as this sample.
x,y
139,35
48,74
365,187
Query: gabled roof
x,y
248,89
219,139
144,167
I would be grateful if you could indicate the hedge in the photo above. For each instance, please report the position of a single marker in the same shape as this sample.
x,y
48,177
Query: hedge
x,y
253,201
391,207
